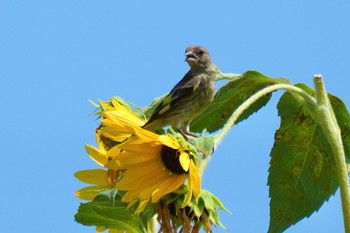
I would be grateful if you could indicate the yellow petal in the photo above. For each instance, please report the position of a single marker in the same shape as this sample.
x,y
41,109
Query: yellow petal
x,y
120,107
114,133
194,184
113,164
111,123
141,185
114,152
169,141
92,176
194,179
124,118
141,207
100,143
100,229
140,148
147,167
145,136
96,155
185,161
138,179
168,186
131,159
116,231
89,193
154,185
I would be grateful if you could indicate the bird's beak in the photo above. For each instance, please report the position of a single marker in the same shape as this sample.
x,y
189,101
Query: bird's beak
x,y
190,57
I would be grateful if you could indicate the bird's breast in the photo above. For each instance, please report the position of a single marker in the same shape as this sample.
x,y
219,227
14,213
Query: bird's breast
x,y
204,96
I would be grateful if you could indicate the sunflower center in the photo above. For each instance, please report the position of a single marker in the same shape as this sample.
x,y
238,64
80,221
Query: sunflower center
x,y
171,160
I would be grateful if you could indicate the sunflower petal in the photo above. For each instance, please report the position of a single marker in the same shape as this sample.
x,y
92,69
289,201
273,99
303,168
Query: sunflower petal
x,y
168,141
194,180
185,161
114,133
168,186
92,176
96,155
90,192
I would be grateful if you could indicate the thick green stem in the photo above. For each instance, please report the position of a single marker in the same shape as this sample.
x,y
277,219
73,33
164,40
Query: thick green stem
x,y
324,114
235,115
232,77
331,129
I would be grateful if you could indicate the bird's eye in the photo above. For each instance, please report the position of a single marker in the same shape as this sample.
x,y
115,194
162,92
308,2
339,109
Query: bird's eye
x,y
201,51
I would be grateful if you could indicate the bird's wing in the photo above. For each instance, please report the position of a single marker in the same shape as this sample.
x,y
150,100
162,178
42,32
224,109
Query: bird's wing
x,y
183,89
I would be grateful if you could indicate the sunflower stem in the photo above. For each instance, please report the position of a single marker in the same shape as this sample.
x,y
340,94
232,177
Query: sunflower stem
x,y
309,100
328,123
232,77
203,164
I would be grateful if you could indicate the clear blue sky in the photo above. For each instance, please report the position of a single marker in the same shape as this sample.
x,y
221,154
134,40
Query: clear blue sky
x,y
55,55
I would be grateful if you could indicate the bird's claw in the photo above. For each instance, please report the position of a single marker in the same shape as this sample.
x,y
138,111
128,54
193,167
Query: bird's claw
x,y
186,134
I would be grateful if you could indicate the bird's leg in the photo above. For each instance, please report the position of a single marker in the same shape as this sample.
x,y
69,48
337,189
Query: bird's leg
x,y
185,131
183,134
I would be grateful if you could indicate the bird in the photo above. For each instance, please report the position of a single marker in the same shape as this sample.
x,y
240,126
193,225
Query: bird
x,y
189,97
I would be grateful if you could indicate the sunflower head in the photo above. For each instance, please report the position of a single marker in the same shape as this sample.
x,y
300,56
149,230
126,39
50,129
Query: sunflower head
x,y
150,171
155,165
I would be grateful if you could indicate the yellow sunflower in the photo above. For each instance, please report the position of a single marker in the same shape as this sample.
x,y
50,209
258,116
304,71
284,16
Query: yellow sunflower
x,y
152,165
155,165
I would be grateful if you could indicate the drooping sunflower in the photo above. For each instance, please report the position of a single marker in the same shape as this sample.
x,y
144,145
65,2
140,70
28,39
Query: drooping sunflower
x,y
157,172
155,165
152,165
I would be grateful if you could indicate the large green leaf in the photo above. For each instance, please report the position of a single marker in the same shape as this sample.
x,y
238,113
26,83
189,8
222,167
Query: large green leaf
x,y
231,96
107,210
302,167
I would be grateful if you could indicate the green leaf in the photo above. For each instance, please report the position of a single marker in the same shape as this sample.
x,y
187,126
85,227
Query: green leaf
x,y
230,97
107,210
302,167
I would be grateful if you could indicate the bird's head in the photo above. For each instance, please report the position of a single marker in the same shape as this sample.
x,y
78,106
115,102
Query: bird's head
x,y
197,57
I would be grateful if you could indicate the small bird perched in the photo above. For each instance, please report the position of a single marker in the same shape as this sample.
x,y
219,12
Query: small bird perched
x,y
190,97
